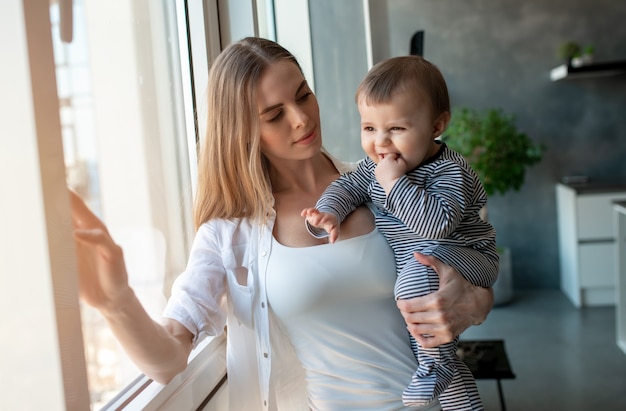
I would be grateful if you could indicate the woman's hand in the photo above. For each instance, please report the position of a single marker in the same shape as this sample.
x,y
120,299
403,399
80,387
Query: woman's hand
x,y
103,280
159,350
438,318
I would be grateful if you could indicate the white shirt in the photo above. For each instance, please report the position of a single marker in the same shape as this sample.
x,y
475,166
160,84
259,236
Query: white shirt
x,y
229,258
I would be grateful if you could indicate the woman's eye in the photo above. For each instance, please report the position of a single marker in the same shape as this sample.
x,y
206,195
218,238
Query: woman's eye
x,y
276,117
368,128
304,97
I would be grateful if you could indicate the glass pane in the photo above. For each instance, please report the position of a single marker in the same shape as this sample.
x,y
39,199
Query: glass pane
x,y
121,110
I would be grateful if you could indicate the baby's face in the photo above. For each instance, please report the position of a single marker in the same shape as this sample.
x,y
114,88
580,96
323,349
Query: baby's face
x,y
403,127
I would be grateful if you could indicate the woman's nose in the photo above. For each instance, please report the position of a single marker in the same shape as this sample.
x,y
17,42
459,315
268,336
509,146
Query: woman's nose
x,y
298,117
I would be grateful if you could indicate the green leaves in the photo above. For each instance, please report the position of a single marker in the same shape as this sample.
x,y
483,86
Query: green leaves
x,y
569,50
494,147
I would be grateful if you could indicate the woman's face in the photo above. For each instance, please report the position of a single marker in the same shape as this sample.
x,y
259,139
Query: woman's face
x,y
289,114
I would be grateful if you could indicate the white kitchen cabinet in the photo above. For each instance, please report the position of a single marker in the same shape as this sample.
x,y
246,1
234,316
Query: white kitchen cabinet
x,y
587,241
620,249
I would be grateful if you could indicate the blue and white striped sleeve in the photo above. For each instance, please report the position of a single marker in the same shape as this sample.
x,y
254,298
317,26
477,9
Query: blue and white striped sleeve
x,y
345,194
435,210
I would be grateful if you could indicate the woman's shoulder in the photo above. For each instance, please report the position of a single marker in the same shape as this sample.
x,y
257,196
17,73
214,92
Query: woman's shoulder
x,y
342,166
222,232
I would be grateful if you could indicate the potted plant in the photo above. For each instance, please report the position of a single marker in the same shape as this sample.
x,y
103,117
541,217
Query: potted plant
x,y
500,154
588,52
568,52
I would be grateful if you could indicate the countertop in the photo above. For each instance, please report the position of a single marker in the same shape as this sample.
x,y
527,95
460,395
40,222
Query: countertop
x,y
591,187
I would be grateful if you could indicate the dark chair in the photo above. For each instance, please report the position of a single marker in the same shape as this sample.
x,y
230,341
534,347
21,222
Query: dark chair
x,y
487,359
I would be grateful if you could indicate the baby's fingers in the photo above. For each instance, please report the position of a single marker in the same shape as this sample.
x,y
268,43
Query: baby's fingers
x,y
316,219
309,212
333,234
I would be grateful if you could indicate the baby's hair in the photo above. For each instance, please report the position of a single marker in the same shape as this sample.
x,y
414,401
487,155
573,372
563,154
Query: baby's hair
x,y
405,73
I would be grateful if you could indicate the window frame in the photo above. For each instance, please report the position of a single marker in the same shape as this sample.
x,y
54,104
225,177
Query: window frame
x,y
43,346
37,253
207,364
41,234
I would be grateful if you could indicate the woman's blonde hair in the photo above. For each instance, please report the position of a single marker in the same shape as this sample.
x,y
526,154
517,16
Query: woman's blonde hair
x,y
232,172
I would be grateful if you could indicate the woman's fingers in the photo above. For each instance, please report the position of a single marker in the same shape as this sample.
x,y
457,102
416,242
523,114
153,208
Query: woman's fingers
x,y
101,269
82,216
429,337
445,272
437,318
94,236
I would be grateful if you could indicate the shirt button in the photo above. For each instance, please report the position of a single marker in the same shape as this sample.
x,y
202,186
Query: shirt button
x,y
264,253
262,304
265,355
265,403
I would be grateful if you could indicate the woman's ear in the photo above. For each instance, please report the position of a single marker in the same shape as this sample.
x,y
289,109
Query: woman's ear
x,y
441,123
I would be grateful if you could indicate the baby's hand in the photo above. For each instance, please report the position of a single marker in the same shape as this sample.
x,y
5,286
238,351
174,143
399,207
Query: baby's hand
x,y
325,221
388,170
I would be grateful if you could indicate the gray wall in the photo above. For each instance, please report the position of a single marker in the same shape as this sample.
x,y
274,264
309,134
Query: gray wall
x,y
498,53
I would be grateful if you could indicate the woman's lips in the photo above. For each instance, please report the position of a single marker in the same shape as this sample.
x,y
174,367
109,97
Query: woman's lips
x,y
307,139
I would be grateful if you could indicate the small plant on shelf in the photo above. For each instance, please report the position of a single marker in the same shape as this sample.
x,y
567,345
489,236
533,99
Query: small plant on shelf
x,y
588,52
568,51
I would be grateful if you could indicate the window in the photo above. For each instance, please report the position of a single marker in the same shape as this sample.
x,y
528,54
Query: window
x,y
125,143
122,132
126,111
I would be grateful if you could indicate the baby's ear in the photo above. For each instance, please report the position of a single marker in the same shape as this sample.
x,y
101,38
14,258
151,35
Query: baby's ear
x,y
441,123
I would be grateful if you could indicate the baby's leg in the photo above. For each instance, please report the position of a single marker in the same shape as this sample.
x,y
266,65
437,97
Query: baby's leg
x,y
478,267
438,367
462,393
435,370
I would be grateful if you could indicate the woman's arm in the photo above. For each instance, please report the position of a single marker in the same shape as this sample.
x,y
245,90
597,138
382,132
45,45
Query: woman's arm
x,y
448,312
159,350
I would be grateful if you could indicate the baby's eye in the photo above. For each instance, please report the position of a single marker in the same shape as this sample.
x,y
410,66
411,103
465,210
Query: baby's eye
x,y
397,128
368,128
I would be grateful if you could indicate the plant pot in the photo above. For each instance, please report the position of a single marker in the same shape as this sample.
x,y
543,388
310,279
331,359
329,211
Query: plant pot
x,y
503,287
576,62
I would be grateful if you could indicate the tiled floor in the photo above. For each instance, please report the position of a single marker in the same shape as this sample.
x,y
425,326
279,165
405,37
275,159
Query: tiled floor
x,y
564,358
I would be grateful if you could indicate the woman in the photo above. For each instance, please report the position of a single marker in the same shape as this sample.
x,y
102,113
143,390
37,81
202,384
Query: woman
x,y
298,311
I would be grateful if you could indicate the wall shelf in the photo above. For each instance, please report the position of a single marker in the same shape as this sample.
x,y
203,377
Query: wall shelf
x,y
610,68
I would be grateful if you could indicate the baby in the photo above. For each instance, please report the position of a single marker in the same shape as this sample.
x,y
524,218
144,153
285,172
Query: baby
x,y
427,199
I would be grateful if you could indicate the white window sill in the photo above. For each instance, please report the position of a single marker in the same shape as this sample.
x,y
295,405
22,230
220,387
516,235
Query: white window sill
x,y
204,376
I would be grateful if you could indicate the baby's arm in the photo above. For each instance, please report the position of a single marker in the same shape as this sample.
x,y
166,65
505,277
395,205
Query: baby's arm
x,y
389,170
326,221
436,209
339,199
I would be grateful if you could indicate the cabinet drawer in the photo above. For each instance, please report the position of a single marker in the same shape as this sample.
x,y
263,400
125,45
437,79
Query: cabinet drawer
x,y
595,215
597,264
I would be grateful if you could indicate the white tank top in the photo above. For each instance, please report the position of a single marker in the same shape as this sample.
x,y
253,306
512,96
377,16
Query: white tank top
x,y
335,301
